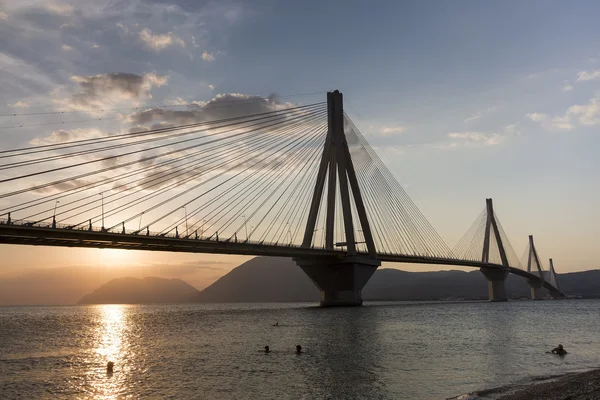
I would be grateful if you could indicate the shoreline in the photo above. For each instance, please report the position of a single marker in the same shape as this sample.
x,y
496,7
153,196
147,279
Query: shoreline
x,y
576,385
571,386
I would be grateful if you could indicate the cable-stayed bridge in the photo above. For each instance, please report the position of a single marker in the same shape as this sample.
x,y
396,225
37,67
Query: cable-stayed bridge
x,y
287,180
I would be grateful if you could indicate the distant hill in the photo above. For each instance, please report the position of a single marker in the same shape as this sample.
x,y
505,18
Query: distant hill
x,y
141,291
261,279
271,279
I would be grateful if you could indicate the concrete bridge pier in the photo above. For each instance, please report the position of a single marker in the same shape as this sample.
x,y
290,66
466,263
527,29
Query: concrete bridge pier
x,y
496,278
340,280
536,289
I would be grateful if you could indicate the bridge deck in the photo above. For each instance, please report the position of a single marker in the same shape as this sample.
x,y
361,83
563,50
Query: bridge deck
x,y
63,237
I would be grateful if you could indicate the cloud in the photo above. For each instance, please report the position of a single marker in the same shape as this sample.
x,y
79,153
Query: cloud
x,y
159,42
567,87
586,114
63,135
66,47
63,186
177,102
212,87
475,139
537,117
98,92
582,114
220,107
583,76
206,56
19,104
550,123
62,9
390,130
3,15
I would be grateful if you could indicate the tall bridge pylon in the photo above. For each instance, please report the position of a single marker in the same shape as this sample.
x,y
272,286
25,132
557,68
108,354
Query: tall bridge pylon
x,y
496,277
339,280
534,266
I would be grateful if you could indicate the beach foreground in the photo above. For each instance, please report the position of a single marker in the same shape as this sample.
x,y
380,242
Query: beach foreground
x,y
580,386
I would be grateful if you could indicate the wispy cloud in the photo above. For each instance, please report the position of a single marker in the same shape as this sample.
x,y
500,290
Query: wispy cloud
x,y
583,76
206,56
581,114
481,114
66,47
98,92
19,104
60,9
474,139
159,41
392,130
567,87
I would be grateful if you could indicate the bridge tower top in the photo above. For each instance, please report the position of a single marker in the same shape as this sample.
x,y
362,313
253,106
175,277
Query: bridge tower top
x,y
337,168
491,226
533,259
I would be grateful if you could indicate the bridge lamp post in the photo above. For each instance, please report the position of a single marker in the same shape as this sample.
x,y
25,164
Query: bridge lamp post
x,y
245,226
186,221
102,200
54,214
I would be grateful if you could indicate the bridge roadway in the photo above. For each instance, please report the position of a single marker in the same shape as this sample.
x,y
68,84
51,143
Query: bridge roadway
x,y
27,234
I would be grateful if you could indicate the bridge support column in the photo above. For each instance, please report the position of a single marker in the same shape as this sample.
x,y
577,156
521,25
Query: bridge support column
x,y
536,289
496,278
340,280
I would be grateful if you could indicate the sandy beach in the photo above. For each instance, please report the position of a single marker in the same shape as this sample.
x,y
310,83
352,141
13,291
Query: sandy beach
x,y
579,386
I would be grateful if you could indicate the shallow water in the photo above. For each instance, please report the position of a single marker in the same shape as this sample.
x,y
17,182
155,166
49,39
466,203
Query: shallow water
x,y
382,350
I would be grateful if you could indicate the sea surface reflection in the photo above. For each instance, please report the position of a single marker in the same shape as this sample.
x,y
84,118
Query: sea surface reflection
x,y
380,351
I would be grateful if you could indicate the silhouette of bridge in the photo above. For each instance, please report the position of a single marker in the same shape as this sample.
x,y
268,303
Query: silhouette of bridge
x,y
276,179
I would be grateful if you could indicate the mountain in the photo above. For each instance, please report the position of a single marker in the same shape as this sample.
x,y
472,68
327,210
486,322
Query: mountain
x,y
141,291
265,279
261,279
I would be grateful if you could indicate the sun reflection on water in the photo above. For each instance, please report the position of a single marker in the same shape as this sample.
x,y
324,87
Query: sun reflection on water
x,y
111,345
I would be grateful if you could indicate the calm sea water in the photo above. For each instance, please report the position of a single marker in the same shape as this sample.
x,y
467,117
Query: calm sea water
x,y
379,351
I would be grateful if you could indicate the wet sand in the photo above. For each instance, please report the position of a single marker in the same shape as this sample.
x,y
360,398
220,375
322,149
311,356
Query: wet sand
x,y
579,386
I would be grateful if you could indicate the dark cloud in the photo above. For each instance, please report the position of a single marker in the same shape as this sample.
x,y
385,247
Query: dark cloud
x,y
220,107
106,90
64,186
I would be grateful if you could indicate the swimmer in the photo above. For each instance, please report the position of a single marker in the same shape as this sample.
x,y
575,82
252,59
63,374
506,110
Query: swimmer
x,y
298,349
276,324
559,350
267,349
109,367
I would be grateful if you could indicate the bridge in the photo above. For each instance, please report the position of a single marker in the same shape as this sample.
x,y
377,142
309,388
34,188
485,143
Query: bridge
x,y
286,180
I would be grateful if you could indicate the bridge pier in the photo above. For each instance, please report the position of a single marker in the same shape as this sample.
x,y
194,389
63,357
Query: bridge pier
x,y
536,288
340,280
496,278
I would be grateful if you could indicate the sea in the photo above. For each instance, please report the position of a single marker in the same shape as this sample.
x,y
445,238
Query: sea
x,y
383,350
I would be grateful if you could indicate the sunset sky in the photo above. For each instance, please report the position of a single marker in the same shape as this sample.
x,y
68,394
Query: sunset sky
x,y
462,100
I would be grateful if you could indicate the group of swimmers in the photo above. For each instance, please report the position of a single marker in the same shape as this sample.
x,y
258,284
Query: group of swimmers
x,y
298,349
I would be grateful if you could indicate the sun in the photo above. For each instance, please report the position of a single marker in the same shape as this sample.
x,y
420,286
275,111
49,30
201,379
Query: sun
x,y
115,257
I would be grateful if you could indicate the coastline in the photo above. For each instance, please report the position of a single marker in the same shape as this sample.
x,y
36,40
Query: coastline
x,y
572,386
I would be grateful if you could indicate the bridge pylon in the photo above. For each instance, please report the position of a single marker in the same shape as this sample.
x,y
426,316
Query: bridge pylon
x,y
553,280
496,277
534,266
340,280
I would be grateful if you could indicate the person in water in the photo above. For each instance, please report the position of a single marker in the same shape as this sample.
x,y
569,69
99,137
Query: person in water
x,y
267,349
298,349
109,367
276,324
559,350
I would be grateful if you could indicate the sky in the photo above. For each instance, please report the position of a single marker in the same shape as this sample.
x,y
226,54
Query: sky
x,y
462,100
